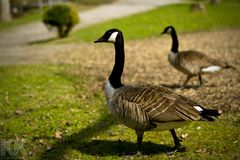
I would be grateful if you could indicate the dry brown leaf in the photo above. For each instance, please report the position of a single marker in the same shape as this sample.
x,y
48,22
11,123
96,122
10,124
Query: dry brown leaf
x,y
184,136
58,134
19,112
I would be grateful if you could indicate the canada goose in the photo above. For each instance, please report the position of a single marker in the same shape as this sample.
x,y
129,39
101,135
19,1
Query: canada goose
x,y
146,107
192,63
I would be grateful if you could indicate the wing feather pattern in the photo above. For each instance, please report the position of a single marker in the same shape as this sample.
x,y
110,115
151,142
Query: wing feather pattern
x,y
155,104
194,61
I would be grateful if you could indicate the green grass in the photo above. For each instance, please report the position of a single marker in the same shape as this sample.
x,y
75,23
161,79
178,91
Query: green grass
x,y
151,23
36,101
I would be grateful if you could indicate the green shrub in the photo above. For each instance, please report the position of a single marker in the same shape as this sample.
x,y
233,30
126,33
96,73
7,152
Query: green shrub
x,y
63,17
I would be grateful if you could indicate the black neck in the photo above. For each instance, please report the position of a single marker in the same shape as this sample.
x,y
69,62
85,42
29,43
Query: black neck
x,y
174,41
115,76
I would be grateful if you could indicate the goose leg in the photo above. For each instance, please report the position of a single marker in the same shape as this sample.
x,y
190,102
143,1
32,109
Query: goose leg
x,y
176,141
188,78
200,80
139,141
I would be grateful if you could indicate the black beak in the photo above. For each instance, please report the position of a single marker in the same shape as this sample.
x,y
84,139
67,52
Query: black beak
x,y
101,39
162,33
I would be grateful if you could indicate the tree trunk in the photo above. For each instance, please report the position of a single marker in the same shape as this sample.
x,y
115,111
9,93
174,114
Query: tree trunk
x,y
5,10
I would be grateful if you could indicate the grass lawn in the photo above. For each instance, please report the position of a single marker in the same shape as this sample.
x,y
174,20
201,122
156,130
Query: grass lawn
x,y
149,24
50,112
59,111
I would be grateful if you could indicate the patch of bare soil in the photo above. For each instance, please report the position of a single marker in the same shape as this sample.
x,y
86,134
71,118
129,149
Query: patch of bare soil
x,y
146,61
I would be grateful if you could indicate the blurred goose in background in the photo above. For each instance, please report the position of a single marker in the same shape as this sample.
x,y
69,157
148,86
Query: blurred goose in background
x,y
147,107
192,63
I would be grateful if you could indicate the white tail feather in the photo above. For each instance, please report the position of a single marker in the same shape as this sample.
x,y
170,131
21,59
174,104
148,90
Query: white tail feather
x,y
198,108
211,69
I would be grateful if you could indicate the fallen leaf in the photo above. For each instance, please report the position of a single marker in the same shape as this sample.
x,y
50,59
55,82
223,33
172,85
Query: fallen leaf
x,y
48,148
19,112
201,150
41,141
184,136
58,134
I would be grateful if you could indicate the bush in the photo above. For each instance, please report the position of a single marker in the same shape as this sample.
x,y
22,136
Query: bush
x,y
63,17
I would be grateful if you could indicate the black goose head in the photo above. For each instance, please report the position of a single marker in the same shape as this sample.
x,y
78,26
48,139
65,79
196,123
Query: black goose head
x,y
168,30
115,36
111,36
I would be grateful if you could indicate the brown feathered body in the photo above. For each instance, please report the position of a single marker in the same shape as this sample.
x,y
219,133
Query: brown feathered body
x,y
194,62
148,107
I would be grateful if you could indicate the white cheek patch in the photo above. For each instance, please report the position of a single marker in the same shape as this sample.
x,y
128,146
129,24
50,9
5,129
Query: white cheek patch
x,y
113,37
198,108
211,69
169,30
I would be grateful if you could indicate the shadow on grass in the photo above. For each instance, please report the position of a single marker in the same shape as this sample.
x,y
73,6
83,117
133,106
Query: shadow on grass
x,y
119,148
43,41
75,140
82,142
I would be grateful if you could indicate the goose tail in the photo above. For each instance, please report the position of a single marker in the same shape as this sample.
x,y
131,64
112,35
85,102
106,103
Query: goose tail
x,y
229,66
210,114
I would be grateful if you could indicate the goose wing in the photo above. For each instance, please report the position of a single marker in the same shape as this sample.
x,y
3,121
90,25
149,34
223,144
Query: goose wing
x,y
195,61
158,103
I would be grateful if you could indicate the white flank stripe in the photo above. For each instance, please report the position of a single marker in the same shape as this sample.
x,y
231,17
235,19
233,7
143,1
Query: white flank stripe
x,y
113,37
198,108
211,69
